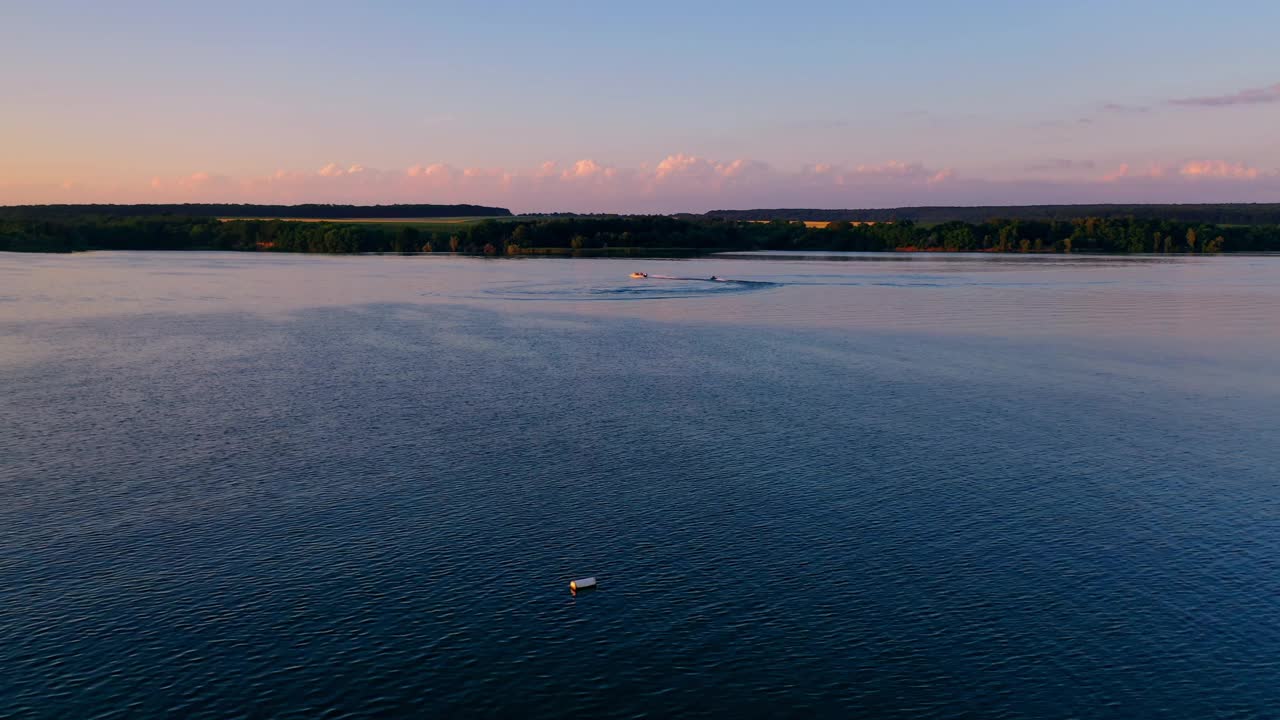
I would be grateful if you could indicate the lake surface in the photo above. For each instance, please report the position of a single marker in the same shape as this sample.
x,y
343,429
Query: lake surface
x,y
888,486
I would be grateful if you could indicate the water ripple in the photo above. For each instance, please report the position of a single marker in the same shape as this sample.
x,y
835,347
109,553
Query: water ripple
x,y
873,501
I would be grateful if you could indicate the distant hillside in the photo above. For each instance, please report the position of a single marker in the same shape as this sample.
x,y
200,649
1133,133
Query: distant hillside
x,y
221,210
1221,214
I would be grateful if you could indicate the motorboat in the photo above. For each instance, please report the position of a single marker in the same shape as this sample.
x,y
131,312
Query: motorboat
x,y
639,275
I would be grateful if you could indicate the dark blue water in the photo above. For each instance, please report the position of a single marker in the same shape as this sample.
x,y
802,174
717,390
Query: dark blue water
x,y
318,487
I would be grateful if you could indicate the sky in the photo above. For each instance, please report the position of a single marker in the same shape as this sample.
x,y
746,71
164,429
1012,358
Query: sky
x,y
659,106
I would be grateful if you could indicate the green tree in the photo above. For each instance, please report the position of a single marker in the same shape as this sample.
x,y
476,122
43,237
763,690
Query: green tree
x,y
520,237
406,239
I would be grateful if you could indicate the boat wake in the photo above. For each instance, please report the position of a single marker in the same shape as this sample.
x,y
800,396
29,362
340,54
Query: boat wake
x,y
713,278
671,288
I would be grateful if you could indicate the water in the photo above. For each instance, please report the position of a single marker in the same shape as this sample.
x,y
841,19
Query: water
x,y
883,486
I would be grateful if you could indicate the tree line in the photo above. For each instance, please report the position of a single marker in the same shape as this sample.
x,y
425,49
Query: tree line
x,y
239,210
1216,213
643,234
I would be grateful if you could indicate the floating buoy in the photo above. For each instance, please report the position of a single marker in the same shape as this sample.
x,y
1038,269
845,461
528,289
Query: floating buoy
x,y
583,584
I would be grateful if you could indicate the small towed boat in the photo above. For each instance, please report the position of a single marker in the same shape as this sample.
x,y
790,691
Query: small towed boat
x,y
639,275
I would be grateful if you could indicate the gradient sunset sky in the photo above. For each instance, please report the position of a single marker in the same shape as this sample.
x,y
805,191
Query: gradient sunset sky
x,y
640,106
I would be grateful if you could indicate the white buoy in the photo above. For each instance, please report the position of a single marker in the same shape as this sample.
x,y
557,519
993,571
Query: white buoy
x,y
582,584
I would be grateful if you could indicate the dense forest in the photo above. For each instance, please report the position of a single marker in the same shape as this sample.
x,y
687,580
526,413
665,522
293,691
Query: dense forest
x,y
1221,214
227,210
621,235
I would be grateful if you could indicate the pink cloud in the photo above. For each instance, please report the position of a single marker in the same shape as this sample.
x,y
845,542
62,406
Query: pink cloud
x,y
681,165
682,182
1127,171
586,168
193,185
893,168
677,182
1252,96
1195,169
941,176
1219,169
